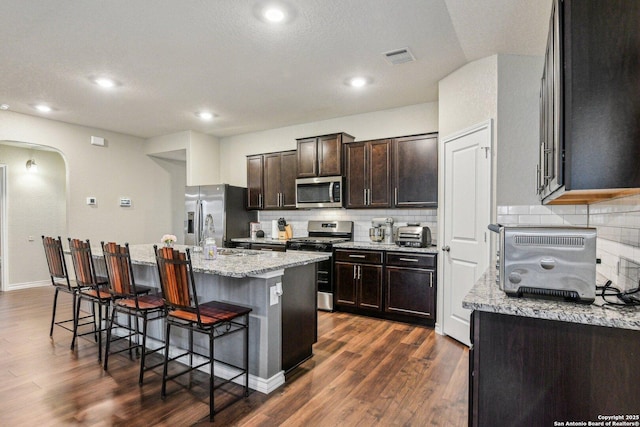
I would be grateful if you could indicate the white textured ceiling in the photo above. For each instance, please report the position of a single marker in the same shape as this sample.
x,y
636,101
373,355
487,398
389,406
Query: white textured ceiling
x,y
175,57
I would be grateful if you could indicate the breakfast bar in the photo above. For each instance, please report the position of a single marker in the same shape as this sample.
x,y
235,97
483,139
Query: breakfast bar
x,y
279,287
539,361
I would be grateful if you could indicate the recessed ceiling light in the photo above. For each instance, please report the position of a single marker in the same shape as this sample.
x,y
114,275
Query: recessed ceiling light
x,y
358,82
4,106
43,108
205,115
104,82
274,15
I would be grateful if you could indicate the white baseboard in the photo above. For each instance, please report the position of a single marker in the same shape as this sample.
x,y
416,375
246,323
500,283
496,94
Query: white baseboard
x,y
26,285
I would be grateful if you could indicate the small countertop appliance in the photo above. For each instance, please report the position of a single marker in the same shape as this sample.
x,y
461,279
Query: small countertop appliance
x,y
414,235
381,230
547,261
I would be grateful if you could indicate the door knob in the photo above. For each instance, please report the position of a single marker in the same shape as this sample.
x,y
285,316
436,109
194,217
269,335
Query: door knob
x,y
446,248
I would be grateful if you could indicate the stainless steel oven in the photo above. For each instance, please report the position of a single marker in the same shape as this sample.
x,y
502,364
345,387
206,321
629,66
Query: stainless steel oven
x,y
321,237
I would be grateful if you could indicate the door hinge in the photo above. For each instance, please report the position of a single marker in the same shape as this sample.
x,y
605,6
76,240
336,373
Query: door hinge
x,y
486,151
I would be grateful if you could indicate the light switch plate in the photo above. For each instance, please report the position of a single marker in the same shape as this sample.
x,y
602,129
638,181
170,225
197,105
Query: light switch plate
x,y
91,200
125,202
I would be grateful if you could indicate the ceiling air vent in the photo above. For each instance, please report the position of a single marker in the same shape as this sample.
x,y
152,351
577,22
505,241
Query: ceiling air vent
x,y
399,56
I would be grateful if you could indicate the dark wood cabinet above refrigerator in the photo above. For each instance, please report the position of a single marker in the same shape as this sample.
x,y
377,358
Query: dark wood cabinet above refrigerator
x,y
271,180
589,103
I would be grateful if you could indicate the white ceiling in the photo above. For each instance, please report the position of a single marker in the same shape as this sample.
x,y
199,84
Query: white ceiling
x,y
173,58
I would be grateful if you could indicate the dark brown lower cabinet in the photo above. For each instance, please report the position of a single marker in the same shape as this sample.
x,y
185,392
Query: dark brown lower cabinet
x,y
358,276
535,372
268,247
410,284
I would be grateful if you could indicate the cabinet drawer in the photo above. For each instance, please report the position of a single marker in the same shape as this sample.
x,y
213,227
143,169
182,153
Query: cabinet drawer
x,y
370,257
409,259
267,247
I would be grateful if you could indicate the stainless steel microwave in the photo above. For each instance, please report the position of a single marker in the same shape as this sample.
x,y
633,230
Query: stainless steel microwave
x,y
319,192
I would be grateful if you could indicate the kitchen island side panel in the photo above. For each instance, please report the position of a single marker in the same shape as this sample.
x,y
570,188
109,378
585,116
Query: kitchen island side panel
x,y
265,321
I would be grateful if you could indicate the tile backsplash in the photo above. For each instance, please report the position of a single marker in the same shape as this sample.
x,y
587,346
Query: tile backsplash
x,y
617,222
361,219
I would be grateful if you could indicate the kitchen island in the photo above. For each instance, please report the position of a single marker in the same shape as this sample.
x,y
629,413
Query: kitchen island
x,y
541,362
280,288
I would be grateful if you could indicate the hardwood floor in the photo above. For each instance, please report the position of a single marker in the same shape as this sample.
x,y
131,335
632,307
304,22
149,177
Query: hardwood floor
x,y
364,372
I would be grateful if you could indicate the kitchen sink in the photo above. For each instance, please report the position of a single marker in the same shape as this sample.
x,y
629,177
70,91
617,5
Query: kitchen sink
x,y
237,252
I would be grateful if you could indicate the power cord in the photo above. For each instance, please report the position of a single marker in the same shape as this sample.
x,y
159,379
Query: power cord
x,y
628,298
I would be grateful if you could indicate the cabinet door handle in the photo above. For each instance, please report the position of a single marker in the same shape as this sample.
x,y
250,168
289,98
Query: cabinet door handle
x,y
369,194
431,279
356,256
365,196
409,259
395,196
260,200
359,272
355,272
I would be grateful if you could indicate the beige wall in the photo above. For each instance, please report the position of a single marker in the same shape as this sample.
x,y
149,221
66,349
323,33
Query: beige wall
x,y
36,206
468,96
410,120
518,130
503,88
121,168
200,152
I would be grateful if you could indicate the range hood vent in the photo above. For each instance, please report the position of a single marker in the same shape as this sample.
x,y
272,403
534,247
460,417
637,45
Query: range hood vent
x,y
399,56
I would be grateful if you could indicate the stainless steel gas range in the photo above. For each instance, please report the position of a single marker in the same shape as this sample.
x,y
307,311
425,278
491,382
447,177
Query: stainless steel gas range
x,y
322,235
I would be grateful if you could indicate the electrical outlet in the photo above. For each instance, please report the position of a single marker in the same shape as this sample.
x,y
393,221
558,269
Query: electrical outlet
x,y
273,295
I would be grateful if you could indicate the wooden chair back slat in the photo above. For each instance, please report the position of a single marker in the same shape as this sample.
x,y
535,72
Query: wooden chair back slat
x,y
175,278
118,263
82,262
55,257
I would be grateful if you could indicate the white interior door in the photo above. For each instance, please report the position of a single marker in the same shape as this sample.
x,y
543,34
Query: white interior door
x,y
467,212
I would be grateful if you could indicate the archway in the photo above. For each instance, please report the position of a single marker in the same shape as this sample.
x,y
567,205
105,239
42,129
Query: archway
x,y
33,202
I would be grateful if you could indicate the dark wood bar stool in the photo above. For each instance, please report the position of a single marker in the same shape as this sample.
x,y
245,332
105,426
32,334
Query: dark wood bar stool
x,y
213,319
128,300
61,282
92,289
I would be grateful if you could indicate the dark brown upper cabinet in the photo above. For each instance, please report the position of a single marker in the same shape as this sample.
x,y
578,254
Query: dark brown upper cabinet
x,y
415,171
368,174
271,180
589,103
321,155
255,188
280,180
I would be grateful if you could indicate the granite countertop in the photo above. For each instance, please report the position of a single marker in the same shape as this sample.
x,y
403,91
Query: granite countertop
x,y
238,263
487,296
260,240
384,247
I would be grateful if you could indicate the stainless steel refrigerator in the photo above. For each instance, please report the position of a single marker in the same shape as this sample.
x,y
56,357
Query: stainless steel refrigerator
x,y
224,205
